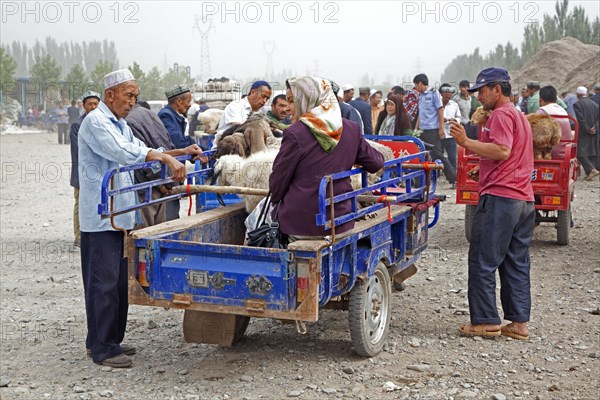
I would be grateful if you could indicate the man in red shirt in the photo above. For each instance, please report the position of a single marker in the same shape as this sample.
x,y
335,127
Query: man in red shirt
x,y
505,217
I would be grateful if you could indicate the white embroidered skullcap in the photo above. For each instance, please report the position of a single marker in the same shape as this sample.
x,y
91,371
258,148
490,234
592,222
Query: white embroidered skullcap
x,y
582,90
117,77
347,86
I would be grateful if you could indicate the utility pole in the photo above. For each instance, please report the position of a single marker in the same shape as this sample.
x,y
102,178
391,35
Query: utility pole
x,y
269,47
204,26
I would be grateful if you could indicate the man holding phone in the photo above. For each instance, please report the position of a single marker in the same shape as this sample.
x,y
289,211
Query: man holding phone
x,y
505,216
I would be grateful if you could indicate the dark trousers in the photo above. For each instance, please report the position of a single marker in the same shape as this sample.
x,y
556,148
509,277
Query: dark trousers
x,y
449,146
172,210
104,273
432,137
63,133
588,163
500,237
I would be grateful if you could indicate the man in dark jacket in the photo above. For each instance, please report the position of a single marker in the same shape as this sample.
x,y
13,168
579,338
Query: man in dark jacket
x,y
348,112
147,127
73,112
174,120
173,115
90,102
596,96
588,142
361,103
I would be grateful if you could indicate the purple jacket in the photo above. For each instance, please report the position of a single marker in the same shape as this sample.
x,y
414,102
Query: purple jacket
x,y
299,167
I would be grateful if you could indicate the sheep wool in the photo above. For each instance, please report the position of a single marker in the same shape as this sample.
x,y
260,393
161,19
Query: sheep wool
x,y
251,172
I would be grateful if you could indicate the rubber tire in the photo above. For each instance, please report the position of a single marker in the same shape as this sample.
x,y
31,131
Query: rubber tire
x,y
469,216
563,224
241,324
358,312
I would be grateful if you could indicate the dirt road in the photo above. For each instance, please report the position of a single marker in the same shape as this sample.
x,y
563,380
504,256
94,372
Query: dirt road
x,y
43,330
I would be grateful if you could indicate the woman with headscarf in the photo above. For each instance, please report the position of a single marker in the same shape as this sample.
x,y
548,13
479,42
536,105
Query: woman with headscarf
x,y
318,143
393,120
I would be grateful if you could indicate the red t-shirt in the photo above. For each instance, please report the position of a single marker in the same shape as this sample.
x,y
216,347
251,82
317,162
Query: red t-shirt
x,y
509,178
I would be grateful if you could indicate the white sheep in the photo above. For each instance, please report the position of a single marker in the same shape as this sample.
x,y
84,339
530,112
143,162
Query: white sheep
x,y
210,118
251,172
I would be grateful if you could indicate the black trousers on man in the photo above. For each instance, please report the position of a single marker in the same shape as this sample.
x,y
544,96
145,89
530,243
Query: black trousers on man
x,y
104,273
63,133
432,137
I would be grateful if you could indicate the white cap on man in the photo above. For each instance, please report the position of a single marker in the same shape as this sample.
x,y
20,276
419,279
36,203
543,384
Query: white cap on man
x,y
115,78
582,90
347,86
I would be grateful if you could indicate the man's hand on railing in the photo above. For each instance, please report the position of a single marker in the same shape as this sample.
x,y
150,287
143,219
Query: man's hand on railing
x,y
164,191
196,151
177,168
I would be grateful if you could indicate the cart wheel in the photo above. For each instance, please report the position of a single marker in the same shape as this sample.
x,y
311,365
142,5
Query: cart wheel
x,y
469,215
369,312
563,224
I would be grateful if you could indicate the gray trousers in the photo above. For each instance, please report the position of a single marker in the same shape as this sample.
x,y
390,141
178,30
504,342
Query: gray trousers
x,y
156,213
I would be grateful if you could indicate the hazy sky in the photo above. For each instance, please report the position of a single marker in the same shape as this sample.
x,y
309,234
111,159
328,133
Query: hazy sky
x,y
343,39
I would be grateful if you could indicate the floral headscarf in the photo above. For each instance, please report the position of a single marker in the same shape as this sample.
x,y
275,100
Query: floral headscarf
x,y
318,108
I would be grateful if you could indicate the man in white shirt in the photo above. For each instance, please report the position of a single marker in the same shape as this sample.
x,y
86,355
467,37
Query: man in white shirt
x,y
237,112
451,112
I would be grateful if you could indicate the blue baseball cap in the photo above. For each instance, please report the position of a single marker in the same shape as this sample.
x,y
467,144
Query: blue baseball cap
x,y
490,75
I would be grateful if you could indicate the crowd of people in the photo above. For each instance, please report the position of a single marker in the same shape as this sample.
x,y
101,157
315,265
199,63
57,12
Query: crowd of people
x,y
323,125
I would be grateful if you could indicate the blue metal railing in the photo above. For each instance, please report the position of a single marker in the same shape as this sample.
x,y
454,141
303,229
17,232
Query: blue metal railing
x,y
146,187
415,187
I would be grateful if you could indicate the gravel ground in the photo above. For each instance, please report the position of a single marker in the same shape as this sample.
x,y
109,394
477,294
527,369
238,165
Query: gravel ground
x,y
42,318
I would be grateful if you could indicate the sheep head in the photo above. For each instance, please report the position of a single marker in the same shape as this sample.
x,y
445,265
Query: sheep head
x,y
230,145
480,116
256,134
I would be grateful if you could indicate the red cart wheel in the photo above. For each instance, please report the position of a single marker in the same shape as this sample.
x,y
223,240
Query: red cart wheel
x,y
563,225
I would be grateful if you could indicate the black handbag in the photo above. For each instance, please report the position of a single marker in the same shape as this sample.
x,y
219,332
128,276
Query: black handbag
x,y
267,235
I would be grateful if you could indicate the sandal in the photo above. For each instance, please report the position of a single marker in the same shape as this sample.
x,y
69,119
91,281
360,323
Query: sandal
x,y
507,330
479,330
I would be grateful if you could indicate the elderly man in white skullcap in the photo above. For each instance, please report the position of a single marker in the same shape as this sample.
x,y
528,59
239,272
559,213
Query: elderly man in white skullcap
x,y
106,142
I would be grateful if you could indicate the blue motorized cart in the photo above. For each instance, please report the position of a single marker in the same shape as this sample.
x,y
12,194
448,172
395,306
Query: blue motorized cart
x,y
199,263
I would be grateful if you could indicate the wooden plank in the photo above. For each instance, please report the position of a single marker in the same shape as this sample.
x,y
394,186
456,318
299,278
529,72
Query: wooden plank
x,y
380,216
195,189
190,222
